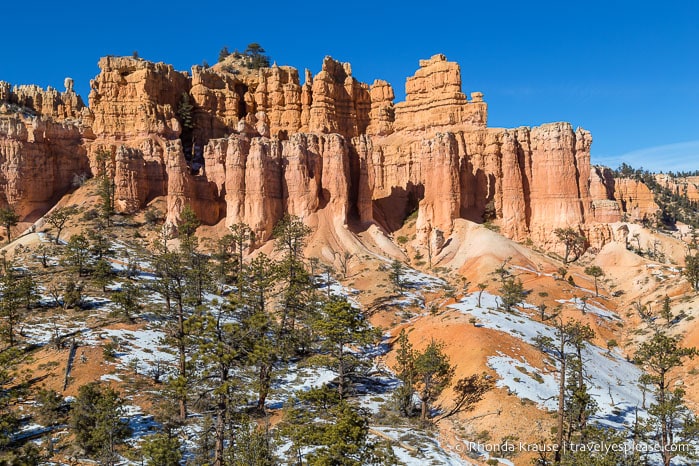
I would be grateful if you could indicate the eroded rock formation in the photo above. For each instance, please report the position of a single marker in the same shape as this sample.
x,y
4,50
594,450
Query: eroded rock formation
x,y
242,145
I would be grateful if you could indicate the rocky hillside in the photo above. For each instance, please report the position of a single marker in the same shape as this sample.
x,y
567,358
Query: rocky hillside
x,y
413,243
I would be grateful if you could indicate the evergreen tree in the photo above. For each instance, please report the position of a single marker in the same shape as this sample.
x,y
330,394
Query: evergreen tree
x,y
672,423
257,57
574,243
691,270
185,110
579,404
77,254
128,299
102,274
397,275
568,335
512,293
433,373
223,53
96,421
27,289
100,244
58,218
105,187
254,445
242,237
341,327
263,337
8,219
405,371
170,282
217,355
595,272
332,431
8,393
222,258
72,294
10,304
297,293
162,450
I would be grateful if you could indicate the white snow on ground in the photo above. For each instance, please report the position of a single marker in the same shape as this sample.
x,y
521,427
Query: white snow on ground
x,y
613,380
142,347
525,381
591,308
421,281
428,450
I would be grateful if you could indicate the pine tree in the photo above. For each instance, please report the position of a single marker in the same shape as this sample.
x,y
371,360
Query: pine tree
x,y
340,327
96,421
100,244
223,53
405,371
397,275
242,238
595,272
254,445
105,187
8,418
297,301
58,218
673,424
574,243
691,270
77,254
8,219
128,299
579,404
162,450
433,373
217,355
666,311
102,274
262,341
331,431
258,59
170,282
10,304
512,293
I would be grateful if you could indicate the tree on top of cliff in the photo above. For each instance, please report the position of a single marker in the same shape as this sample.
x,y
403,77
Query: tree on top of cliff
x,y
258,58
223,53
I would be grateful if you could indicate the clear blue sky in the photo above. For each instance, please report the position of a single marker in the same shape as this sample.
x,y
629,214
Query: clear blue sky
x,y
627,71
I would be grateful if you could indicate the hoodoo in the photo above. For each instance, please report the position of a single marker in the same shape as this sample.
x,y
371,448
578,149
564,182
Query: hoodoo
x,y
252,145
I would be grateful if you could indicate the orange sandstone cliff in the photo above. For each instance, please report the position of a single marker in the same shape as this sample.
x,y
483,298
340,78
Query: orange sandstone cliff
x,y
242,145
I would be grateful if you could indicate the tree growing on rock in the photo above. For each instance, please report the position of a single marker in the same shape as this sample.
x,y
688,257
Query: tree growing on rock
x,y
573,241
257,56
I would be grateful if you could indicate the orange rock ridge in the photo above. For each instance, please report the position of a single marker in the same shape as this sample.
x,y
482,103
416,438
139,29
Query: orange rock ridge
x,y
262,144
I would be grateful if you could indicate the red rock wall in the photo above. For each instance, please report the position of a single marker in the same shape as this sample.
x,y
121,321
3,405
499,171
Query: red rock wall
x,y
265,145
